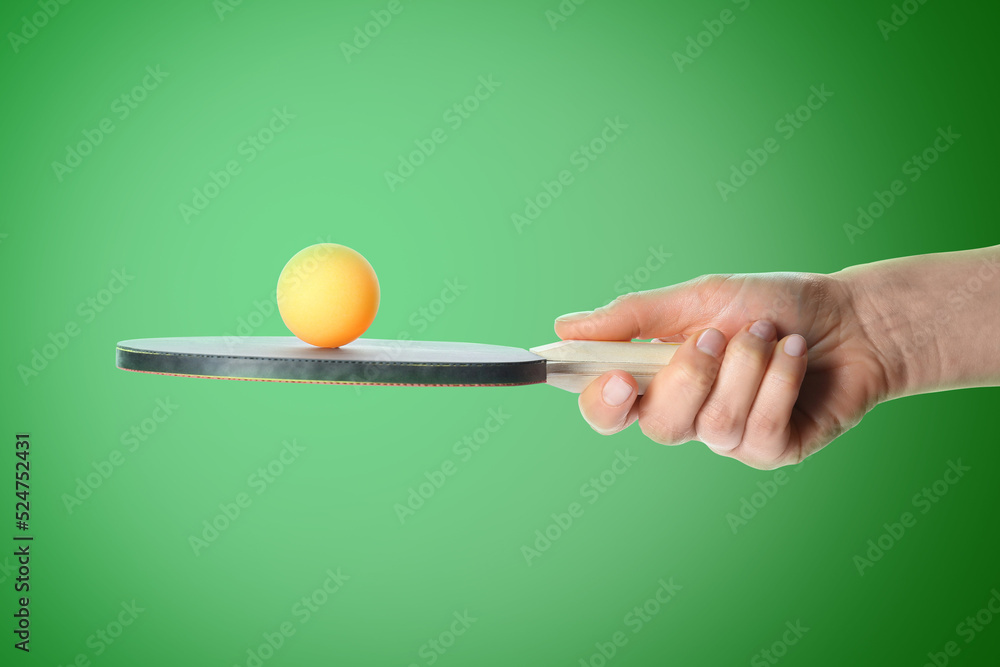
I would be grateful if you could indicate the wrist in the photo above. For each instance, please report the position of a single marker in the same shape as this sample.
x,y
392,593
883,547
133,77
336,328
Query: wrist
x,y
892,313
930,320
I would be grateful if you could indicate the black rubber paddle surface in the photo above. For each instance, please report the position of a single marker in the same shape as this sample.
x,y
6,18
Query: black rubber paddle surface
x,y
365,361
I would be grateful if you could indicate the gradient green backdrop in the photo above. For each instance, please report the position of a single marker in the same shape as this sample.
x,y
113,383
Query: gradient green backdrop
x,y
322,177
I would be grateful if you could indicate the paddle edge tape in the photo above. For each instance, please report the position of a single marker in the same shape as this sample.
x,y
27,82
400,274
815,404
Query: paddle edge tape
x,y
330,371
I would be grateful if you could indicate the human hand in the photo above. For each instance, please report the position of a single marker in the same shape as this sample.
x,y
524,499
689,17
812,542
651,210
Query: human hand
x,y
772,367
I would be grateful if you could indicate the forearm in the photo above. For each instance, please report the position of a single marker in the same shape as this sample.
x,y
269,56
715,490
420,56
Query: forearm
x,y
933,319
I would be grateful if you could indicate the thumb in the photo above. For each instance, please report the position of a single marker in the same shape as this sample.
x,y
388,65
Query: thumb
x,y
659,313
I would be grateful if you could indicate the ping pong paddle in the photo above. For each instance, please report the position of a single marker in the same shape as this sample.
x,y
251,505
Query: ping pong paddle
x,y
569,365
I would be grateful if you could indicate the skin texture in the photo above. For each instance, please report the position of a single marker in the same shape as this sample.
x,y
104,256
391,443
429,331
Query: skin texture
x,y
757,398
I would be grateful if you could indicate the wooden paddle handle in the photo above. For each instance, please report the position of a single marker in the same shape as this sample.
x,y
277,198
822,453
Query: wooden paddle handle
x,y
573,364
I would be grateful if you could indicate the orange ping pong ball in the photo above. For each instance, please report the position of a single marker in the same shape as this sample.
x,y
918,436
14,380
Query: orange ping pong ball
x,y
328,294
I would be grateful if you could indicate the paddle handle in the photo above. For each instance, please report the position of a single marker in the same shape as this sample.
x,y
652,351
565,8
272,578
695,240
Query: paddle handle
x,y
574,364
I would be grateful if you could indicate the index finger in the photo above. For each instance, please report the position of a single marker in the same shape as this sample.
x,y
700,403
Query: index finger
x,y
666,311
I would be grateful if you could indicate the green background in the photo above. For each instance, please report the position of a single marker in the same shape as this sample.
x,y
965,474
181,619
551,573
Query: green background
x,y
323,178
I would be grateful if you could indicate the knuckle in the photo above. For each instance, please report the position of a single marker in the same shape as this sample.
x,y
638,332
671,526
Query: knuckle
x,y
658,429
710,288
718,417
747,351
710,282
760,453
627,299
836,427
631,306
763,422
626,302
779,382
694,379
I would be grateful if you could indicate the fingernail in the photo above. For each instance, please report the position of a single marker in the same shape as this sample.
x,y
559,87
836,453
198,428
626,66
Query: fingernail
x,y
616,391
763,329
795,346
712,342
572,317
